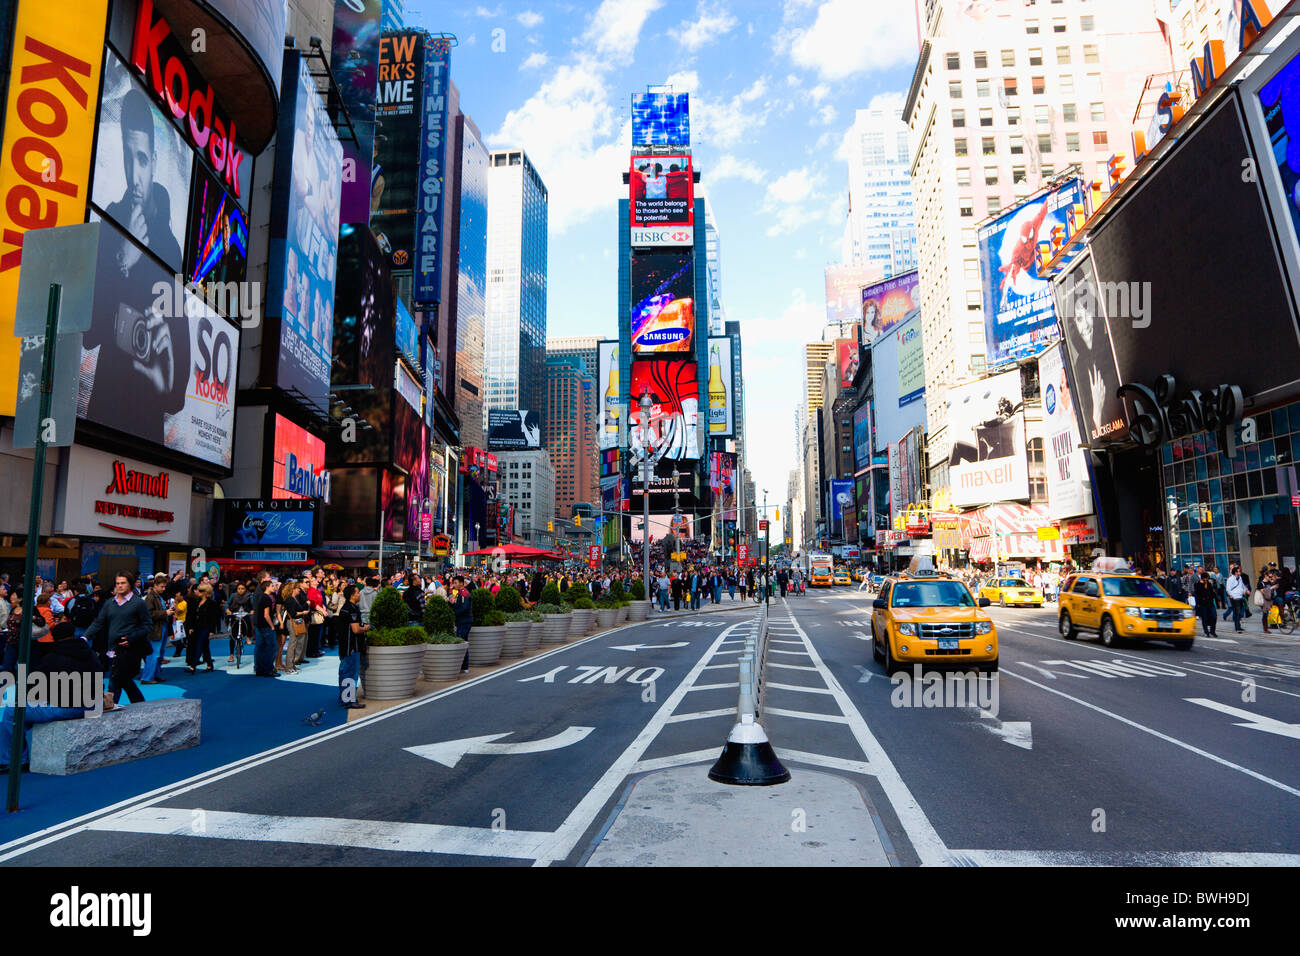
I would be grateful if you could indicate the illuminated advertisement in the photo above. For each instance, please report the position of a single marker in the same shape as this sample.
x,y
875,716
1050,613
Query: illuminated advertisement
x,y
253,523
157,363
846,360
844,292
363,353
407,336
722,483
607,392
662,192
862,436
886,304
142,170
1069,487
397,145
841,498
661,119
43,34
403,492
356,69
911,360
216,252
514,429
1018,314
674,411
663,303
428,216
722,402
299,463
987,422
304,237
1092,356
408,386
261,23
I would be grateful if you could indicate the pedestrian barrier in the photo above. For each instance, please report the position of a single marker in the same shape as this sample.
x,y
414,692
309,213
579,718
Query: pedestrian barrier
x,y
748,759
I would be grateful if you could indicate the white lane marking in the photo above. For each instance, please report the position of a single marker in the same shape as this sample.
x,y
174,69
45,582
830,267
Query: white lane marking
x,y
449,752
714,667
1217,640
1018,733
802,690
821,760
925,840
804,715
715,686
1252,720
867,673
773,640
328,831
677,760
1165,737
701,715
1119,858
791,667
562,842
776,650
648,647
59,831
1191,667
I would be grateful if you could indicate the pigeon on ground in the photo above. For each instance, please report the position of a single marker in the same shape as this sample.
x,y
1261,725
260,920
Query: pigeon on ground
x,y
314,719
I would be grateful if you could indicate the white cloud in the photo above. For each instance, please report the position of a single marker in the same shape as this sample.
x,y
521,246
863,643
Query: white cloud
x,y
683,81
724,123
827,114
819,93
729,167
711,24
795,186
616,25
535,61
529,19
482,11
850,37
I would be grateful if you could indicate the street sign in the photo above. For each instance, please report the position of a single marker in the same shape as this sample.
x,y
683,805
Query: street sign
x,y
593,555
762,525
1295,501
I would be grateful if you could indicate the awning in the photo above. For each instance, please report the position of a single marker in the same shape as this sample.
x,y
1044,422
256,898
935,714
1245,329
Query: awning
x,y
1016,536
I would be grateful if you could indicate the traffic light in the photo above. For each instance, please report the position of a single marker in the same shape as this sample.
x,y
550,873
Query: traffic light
x,y
373,565
550,526
778,514
577,521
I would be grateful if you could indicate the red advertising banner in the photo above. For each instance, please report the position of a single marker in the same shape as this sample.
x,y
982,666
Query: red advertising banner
x,y
593,556
742,554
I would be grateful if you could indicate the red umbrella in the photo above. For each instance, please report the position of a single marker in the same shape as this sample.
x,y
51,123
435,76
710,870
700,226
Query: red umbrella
x,y
509,551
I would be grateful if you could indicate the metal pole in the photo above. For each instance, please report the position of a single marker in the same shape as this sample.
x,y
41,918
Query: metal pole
x,y
645,498
33,543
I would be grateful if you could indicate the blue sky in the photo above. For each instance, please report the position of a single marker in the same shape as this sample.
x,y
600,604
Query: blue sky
x,y
773,86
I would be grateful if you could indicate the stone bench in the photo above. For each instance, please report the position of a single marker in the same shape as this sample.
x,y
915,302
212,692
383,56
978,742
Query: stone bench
x,y
126,733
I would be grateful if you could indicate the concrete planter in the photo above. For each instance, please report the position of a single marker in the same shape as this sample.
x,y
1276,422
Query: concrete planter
x,y
534,635
515,638
485,644
393,671
623,613
442,661
638,611
608,616
578,624
556,628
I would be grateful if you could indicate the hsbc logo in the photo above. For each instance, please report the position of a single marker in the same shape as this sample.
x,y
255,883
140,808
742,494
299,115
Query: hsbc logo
x,y
666,236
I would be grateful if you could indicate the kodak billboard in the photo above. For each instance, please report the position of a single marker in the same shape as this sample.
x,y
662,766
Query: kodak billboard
x,y
49,129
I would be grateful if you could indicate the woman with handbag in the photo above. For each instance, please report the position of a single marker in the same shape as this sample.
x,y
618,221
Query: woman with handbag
x,y
202,619
298,614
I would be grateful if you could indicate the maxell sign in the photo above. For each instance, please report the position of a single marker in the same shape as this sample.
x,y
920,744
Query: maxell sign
x,y
665,236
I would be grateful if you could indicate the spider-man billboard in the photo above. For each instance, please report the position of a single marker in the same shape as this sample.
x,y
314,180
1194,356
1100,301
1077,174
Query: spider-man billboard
x,y
1019,318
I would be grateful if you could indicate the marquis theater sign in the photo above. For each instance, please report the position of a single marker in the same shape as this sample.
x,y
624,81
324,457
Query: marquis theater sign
x,y
156,56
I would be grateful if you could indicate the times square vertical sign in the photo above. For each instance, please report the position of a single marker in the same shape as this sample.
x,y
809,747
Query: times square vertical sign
x,y
428,219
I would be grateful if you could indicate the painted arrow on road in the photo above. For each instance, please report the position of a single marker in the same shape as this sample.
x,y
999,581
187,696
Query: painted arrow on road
x,y
860,636
1015,732
648,647
867,674
1269,725
449,752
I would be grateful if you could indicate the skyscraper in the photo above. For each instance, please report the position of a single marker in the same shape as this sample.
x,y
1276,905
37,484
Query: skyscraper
x,y
394,15
880,232
515,336
469,290
568,431
582,347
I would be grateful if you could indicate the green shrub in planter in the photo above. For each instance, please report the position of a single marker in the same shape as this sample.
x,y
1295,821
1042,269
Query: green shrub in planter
x,y
494,619
637,590
608,604
515,616
483,604
544,608
509,601
396,636
583,604
389,611
535,616
550,594
443,637
616,590
439,618
572,594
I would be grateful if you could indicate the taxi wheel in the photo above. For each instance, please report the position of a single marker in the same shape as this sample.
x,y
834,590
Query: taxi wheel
x,y
1182,645
1108,635
990,668
875,648
1068,630
892,666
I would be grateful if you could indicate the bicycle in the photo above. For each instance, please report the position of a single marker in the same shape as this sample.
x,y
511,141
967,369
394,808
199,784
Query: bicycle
x,y
239,631
1289,610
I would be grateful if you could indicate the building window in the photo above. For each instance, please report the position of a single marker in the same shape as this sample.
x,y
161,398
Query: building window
x,y
1008,57
958,118
1044,144
972,301
959,146
981,60
1038,84
1031,26
1062,54
1018,175
968,238
963,175
1090,54
1094,84
995,205
1085,24
971,270
988,146
1067,84
990,175
1037,490
1071,142
1098,112
1069,113
1099,139
1058,24
1036,57
967,207
982,88
954,89
1013,115
1009,86
1017,145
954,61
1048,170
986,116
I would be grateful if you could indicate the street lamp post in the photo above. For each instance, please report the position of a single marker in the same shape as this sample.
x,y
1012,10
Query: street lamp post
x,y
645,496
767,555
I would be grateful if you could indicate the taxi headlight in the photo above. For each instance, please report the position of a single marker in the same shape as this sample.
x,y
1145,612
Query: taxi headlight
x,y
908,629
1188,613
1133,611
983,627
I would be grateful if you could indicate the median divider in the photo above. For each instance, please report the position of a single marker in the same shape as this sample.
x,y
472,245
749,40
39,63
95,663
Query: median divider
x,y
747,759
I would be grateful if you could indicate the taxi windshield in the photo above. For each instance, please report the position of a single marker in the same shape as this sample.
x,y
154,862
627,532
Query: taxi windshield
x,y
1132,587
931,594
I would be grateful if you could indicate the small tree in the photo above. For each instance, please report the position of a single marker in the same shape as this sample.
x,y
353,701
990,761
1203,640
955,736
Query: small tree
x,y
439,618
550,594
389,610
508,600
616,590
483,604
638,590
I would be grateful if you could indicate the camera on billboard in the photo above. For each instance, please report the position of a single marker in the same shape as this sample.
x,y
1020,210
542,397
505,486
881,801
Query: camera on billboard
x,y
132,332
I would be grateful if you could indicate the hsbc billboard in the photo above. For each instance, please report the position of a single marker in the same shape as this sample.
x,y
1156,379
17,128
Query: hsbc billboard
x,y
664,236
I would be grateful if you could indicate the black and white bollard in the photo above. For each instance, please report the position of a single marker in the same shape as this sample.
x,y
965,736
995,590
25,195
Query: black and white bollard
x,y
748,759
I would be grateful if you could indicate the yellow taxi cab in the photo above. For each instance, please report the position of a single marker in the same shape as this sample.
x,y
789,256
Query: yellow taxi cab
x,y
1121,607
921,618
1012,592
842,576
857,574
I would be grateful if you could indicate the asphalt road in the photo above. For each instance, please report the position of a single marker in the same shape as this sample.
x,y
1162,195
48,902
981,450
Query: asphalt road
x,y
1139,755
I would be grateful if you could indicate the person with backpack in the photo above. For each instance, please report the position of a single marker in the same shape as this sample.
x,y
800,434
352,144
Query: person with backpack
x,y
161,616
81,610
